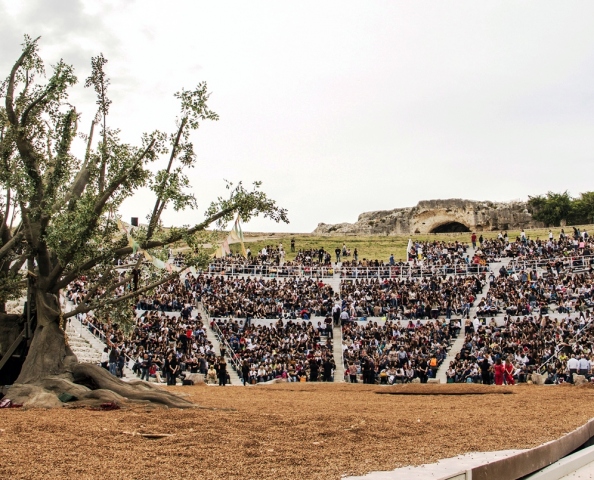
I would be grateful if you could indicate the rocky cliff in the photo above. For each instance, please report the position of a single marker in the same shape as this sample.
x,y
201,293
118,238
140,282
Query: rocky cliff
x,y
437,216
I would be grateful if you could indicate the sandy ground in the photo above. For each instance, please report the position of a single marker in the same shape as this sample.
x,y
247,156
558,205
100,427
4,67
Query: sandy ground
x,y
286,431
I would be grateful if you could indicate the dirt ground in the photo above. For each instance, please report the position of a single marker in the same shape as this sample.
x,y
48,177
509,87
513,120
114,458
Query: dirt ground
x,y
286,431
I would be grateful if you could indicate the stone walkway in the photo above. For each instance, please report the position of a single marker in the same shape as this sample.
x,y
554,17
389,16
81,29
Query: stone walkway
x,y
448,468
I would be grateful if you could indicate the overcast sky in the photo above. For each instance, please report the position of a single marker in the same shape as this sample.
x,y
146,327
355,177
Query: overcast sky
x,y
342,107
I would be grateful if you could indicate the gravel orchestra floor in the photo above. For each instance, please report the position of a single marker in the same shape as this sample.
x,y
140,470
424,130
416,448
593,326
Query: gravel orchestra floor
x,y
288,431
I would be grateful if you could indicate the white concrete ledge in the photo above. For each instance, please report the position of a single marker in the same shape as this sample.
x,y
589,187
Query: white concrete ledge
x,y
565,466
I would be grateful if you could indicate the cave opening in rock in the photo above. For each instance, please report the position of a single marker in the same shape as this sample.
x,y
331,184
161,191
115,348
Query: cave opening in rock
x,y
450,227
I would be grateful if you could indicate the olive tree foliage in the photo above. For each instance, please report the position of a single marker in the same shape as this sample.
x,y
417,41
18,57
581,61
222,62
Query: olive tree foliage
x,y
58,212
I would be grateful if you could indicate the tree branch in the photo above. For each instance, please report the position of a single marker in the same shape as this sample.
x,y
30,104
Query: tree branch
x,y
34,103
160,204
12,118
97,210
4,224
8,246
121,252
81,180
112,301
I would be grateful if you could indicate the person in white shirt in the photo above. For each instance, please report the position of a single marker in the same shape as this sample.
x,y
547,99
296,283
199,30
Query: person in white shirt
x,y
583,365
572,365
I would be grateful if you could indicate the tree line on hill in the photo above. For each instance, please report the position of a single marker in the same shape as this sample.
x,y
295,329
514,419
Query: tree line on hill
x,y
553,208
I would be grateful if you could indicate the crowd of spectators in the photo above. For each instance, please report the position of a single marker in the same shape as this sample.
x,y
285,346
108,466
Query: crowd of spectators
x,y
524,345
391,352
529,292
550,253
296,297
412,297
287,349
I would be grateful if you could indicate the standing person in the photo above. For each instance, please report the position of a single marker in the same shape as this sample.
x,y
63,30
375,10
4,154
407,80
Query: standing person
x,y
486,370
222,372
328,366
292,245
336,310
173,369
121,363
509,372
245,371
352,372
113,361
145,365
473,239
499,369
584,366
422,370
105,359
573,365
328,322
313,370
355,255
337,252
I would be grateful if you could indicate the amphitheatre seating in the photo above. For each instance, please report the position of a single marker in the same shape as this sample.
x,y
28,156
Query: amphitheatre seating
x,y
412,298
284,349
400,351
262,298
538,346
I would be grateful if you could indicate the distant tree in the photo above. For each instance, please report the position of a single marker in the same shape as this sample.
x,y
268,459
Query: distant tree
x,y
58,217
583,209
551,208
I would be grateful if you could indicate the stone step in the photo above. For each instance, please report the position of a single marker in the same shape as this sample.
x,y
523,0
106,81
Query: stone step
x,y
212,338
337,353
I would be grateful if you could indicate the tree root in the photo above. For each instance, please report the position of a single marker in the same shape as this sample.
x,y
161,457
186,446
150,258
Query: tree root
x,y
97,378
91,385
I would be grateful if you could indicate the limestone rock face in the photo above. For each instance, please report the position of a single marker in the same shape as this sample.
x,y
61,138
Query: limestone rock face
x,y
437,216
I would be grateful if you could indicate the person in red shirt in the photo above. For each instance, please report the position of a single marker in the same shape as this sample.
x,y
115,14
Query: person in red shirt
x,y
509,372
499,370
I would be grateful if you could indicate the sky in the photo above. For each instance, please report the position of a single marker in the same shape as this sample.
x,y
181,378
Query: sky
x,y
341,107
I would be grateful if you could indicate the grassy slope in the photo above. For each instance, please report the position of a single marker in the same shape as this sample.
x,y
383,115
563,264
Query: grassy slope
x,y
376,247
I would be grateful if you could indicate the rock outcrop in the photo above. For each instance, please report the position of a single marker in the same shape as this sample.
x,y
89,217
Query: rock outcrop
x,y
437,216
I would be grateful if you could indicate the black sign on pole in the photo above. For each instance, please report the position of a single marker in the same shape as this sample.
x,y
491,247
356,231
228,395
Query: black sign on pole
x,y
134,221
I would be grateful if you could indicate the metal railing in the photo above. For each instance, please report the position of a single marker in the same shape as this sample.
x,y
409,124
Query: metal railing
x,y
406,271
97,333
572,342
270,270
578,262
217,330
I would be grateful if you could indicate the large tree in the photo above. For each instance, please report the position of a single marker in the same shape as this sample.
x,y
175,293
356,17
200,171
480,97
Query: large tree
x,y
58,218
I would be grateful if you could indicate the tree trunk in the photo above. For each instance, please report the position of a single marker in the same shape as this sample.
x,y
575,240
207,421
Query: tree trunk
x,y
51,369
48,354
